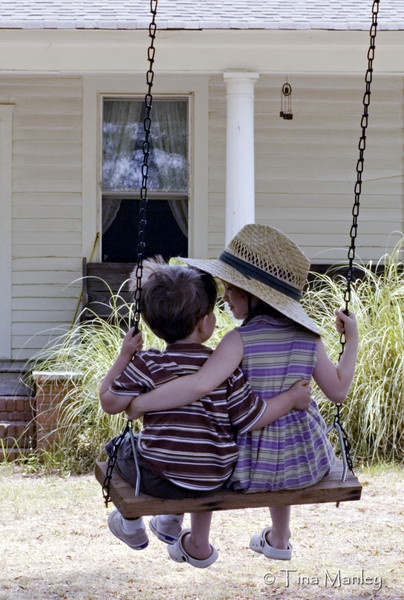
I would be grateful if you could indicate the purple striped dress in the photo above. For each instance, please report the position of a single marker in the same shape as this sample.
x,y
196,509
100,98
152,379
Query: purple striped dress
x,y
294,451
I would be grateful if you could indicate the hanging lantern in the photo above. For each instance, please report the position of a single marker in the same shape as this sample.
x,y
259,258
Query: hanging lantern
x,y
286,101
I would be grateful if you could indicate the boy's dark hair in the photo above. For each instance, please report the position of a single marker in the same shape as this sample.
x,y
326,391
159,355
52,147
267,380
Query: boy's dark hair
x,y
174,298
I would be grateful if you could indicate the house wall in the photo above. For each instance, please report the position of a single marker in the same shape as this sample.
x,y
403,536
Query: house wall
x,y
305,174
306,167
6,137
46,206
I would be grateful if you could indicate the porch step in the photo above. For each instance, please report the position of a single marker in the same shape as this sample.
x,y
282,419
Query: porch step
x,y
11,378
17,432
17,426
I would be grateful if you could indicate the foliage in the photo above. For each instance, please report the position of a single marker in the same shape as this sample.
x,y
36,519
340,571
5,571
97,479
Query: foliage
x,y
90,348
373,414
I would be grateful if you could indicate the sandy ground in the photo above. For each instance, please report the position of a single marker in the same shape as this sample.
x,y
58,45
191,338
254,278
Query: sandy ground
x,y
55,544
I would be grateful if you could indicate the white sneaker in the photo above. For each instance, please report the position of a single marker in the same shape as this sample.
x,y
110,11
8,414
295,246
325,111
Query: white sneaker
x,y
167,527
137,540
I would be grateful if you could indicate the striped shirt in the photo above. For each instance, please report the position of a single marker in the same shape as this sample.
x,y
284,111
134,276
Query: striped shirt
x,y
193,446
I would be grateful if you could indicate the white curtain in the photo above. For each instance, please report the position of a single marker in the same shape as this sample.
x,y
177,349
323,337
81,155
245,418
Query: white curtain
x,y
110,209
179,209
123,136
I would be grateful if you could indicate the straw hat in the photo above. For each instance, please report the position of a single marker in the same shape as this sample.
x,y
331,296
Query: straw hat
x,y
265,262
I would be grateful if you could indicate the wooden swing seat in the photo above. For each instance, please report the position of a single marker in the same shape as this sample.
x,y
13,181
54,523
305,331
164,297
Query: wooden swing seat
x,y
331,489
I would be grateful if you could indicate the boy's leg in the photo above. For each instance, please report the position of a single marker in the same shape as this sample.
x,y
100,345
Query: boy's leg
x,y
197,542
273,542
130,531
193,545
166,527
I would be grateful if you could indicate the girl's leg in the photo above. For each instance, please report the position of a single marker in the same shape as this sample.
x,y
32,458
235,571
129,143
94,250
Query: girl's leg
x,y
280,531
196,544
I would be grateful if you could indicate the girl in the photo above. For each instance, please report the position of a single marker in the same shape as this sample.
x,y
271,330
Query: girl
x,y
264,273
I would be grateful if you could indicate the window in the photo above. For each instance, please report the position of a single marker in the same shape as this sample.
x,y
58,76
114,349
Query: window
x,y
122,159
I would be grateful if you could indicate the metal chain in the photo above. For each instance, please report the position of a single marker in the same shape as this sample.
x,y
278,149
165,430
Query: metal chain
x,y
361,147
111,465
345,444
143,222
148,101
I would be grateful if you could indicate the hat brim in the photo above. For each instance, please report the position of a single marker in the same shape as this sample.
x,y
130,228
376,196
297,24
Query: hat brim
x,y
285,305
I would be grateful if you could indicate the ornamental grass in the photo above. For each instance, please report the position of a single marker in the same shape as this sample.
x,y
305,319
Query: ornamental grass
x,y
372,415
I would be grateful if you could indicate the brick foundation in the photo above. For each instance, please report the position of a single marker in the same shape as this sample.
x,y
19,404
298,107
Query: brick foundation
x,y
17,425
29,423
51,388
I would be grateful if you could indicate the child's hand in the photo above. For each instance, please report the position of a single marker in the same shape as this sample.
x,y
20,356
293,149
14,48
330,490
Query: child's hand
x,y
301,394
346,325
132,343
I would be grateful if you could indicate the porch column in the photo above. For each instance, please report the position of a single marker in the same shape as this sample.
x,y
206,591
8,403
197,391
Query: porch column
x,y
240,175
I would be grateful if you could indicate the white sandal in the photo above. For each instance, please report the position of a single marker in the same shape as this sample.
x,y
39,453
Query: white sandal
x,y
178,553
259,544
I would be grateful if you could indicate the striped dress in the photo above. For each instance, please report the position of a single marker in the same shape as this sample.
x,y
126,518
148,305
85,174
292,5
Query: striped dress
x,y
293,452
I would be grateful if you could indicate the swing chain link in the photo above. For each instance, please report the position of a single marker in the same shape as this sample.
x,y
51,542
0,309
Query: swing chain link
x,y
111,464
345,444
359,165
148,101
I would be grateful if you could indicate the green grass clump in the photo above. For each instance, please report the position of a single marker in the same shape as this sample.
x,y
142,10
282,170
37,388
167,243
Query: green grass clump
x,y
89,348
373,413
86,351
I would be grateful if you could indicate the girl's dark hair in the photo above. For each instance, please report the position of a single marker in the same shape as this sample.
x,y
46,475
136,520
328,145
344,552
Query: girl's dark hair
x,y
261,308
174,298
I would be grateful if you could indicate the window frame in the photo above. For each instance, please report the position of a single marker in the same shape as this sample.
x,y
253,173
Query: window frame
x,y
152,195
95,89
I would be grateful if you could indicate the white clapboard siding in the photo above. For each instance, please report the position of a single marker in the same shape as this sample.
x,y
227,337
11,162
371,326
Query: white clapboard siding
x,y
47,212
304,180
45,321
305,168
68,207
217,166
67,248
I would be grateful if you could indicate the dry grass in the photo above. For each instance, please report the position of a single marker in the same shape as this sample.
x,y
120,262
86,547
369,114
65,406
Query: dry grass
x,y
55,544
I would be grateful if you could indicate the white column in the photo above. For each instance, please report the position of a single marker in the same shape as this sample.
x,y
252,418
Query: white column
x,y
240,175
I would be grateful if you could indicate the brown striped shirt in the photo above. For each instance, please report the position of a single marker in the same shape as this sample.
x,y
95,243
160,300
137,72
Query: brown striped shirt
x,y
193,446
